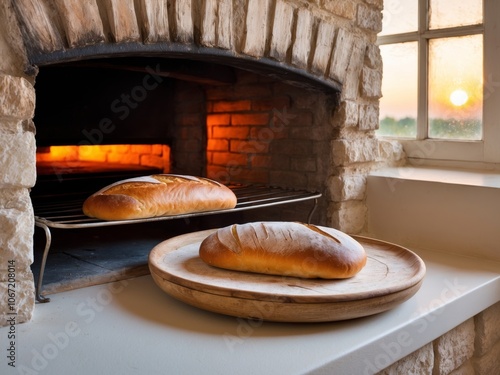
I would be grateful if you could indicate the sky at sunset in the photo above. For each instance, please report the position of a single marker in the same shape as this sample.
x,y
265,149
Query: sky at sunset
x,y
455,67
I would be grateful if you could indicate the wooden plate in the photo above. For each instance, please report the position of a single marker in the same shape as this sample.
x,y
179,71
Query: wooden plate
x,y
391,276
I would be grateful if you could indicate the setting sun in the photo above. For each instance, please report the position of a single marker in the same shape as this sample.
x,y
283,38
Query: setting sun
x,y
459,97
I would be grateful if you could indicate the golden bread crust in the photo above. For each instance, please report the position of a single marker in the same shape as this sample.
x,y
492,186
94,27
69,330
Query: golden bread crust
x,y
284,248
158,195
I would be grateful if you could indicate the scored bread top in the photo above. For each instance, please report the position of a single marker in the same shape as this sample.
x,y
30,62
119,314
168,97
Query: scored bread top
x,y
158,195
284,248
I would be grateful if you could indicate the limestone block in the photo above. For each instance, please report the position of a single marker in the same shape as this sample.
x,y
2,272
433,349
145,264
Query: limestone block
x,y
454,348
342,8
324,46
15,126
225,25
303,36
373,58
39,26
183,21
12,50
122,20
369,116
17,159
81,21
256,27
488,363
24,302
361,149
209,23
21,270
343,188
282,30
379,4
347,114
342,50
17,97
419,362
369,18
348,216
371,83
153,19
465,369
487,329
17,223
351,82
391,150
238,23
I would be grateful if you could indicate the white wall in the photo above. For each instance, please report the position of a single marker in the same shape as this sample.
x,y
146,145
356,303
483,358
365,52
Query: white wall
x,y
450,212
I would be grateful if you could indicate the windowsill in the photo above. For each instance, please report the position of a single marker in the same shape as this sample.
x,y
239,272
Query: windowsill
x,y
479,178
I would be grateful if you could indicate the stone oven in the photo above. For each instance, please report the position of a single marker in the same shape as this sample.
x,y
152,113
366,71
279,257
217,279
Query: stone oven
x,y
274,92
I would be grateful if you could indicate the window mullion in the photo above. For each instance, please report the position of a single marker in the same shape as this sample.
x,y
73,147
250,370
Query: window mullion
x,y
491,82
423,67
423,84
454,31
397,38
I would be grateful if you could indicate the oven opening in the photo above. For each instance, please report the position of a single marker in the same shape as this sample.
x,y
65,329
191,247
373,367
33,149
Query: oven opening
x,y
284,95
105,120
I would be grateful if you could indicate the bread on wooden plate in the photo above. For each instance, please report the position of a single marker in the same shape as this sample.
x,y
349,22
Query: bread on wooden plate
x,y
158,195
284,248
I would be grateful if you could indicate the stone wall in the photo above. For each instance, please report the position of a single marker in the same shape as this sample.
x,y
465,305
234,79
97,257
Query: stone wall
x,y
17,166
330,42
472,348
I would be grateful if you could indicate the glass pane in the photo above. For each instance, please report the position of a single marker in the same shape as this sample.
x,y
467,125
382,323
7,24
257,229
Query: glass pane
x,y
456,87
449,13
398,106
400,16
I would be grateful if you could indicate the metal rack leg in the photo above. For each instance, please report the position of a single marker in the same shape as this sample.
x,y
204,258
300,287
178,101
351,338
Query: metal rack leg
x,y
309,217
48,240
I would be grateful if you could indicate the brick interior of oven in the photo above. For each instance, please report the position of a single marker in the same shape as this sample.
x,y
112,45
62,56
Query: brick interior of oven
x,y
235,126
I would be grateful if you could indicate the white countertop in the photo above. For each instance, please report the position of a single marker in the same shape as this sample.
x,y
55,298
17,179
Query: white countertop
x,y
132,327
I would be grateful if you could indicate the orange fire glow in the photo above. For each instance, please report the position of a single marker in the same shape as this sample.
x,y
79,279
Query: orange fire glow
x,y
155,155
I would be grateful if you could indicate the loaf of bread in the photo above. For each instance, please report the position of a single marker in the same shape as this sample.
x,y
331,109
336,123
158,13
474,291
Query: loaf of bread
x,y
284,248
158,195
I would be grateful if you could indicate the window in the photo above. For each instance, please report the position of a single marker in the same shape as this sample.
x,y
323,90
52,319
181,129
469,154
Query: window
x,y
441,82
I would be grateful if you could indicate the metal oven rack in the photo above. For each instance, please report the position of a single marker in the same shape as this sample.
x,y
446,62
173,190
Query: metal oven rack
x,y
67,214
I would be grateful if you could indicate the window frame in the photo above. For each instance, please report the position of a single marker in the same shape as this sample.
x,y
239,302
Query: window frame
x,y
482,153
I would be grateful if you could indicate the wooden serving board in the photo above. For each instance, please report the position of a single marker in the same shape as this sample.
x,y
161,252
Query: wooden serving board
x,y
391,276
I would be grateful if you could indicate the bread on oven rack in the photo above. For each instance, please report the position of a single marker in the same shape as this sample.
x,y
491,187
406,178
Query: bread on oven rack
x,y
158,195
